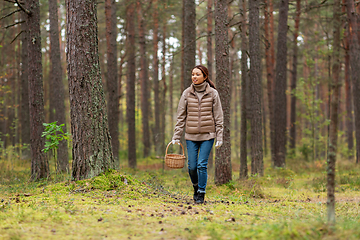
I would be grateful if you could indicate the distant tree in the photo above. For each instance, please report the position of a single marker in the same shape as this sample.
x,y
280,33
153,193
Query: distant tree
x,y
144,79
223,170
294,78
355,69
92,152
189,39
57,95
270,62
163,93
130,83
280,111
39,161
331,161
112,77
349,122
255,111
24,83
244,88
210,58
156,130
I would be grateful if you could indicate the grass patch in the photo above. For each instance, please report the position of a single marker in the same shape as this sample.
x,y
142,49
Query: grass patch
x,y
157,204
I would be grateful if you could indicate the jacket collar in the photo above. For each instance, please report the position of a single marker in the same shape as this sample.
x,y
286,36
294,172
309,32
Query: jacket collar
x,y
207,88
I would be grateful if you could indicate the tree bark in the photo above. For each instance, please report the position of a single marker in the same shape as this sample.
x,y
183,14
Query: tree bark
x,y
163,97
355,69
244,89
144,78
210,59
209,38
57,86
39,161
24,109
331,161
269,48
92,152
112,77
130,84
189,39
182,77
223,171
156,131
348,96
294,79
280,112
255,112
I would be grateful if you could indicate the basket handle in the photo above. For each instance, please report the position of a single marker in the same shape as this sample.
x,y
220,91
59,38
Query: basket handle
x,y
169,145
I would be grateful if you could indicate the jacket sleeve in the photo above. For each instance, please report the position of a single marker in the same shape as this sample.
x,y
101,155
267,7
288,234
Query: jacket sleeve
x,y
181,117
218,117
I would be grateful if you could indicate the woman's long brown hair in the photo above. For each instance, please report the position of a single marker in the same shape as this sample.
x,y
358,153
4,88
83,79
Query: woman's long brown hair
x,y
205,72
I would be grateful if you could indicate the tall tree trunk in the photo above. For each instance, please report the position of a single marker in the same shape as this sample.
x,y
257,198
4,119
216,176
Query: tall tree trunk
x,y
156,131
120,87
130,83
163,95
334,114
24,110
171,91
255,90
57,90
348,96
355,70
92,152
294,79
269,50
10,93
112,77
189,39
210,59
209,38
39,161
223,171
182,74
244,87
280,88
144,78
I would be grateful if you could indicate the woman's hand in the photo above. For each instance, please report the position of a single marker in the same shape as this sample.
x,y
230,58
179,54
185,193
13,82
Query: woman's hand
x,y
218,144
175,142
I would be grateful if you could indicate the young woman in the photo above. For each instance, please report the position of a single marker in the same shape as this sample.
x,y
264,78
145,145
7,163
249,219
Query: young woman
x,y
200,113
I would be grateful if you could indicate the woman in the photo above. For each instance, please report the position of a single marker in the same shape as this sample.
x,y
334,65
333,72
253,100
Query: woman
x,y
201,114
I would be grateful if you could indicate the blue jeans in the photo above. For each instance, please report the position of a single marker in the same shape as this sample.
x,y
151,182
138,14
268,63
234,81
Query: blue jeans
x,y
198,156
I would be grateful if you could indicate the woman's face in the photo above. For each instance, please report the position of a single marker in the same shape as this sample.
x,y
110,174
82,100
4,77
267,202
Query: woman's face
x,y
197,76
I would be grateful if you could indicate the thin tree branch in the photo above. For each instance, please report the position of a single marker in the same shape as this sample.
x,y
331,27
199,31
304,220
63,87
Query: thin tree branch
x,y
14,24
232,39
18,10
203,17
9,1
234,24
233,16
16,36
22,8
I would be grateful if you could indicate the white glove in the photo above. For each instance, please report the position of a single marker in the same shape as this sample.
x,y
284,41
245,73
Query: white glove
x,y
175,142
218,144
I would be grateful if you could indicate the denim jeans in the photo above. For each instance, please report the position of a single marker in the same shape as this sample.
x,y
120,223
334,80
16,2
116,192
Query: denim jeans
x,y
198,156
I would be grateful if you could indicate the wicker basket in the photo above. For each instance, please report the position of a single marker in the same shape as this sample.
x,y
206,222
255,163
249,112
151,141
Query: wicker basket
x,y
174,160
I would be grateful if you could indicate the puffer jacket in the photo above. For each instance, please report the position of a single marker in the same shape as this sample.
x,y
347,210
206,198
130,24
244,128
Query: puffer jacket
x,y
200,114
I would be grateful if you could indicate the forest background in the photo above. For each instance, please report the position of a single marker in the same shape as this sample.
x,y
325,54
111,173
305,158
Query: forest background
x,y
146,51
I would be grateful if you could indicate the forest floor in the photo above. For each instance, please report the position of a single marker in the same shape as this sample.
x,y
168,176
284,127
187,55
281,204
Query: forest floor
x,y
152,203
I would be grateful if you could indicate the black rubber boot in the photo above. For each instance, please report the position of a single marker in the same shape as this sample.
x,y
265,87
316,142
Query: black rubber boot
x,y
196,188
201,198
